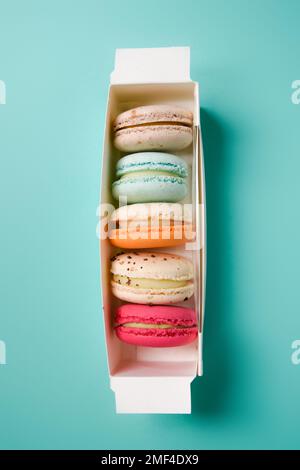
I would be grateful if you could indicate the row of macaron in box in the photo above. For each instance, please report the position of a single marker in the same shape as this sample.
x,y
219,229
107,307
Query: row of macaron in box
x,y
152,181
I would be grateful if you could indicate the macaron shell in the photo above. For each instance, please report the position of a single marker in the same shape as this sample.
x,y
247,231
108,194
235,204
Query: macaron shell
x,y
152,237
165,314
153,137
153,113
156,338
150,189
152,265
152,161
152,296
156,211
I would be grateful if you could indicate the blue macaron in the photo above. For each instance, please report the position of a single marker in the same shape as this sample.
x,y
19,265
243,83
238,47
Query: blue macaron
x,y
151,177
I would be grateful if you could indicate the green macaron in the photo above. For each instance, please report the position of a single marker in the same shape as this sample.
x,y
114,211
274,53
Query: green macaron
x,y
150,177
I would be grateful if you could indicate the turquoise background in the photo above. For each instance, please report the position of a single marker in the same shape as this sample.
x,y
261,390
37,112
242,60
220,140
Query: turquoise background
x,y
56,57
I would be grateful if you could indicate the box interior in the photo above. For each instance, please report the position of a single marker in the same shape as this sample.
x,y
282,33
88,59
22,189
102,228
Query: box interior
x,y
128,360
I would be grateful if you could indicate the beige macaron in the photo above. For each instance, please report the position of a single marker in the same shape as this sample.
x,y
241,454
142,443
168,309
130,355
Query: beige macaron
x,y
151,277
155,127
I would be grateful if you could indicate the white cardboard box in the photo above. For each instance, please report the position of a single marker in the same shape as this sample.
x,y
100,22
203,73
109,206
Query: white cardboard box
x,y
154,380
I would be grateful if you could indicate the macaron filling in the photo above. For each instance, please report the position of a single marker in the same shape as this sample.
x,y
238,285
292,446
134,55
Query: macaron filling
x,y
154,224
147,176
153,123
166,168
138,178
149,325
143,283
155,326
144,174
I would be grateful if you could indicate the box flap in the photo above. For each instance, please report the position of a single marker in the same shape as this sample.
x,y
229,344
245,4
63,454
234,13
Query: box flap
x,y
200,259
151,65
162,395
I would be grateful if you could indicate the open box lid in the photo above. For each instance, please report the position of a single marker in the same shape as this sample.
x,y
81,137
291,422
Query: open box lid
x,y
154,387
151,65
152,394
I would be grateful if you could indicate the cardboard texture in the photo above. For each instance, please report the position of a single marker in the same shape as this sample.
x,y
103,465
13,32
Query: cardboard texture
x,y
154,380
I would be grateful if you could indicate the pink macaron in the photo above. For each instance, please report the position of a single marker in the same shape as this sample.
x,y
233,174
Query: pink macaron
x,y
155,325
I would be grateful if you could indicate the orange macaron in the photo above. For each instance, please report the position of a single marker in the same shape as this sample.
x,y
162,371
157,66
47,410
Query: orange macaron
x,y
151,225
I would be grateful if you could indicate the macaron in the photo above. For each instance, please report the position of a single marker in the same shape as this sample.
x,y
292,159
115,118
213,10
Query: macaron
x,y
151,225
150,177
156,127
151,278
155,326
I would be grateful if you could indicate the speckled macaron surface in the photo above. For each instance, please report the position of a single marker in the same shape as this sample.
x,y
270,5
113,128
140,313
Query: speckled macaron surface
x,y
152,277
156,127
151,177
